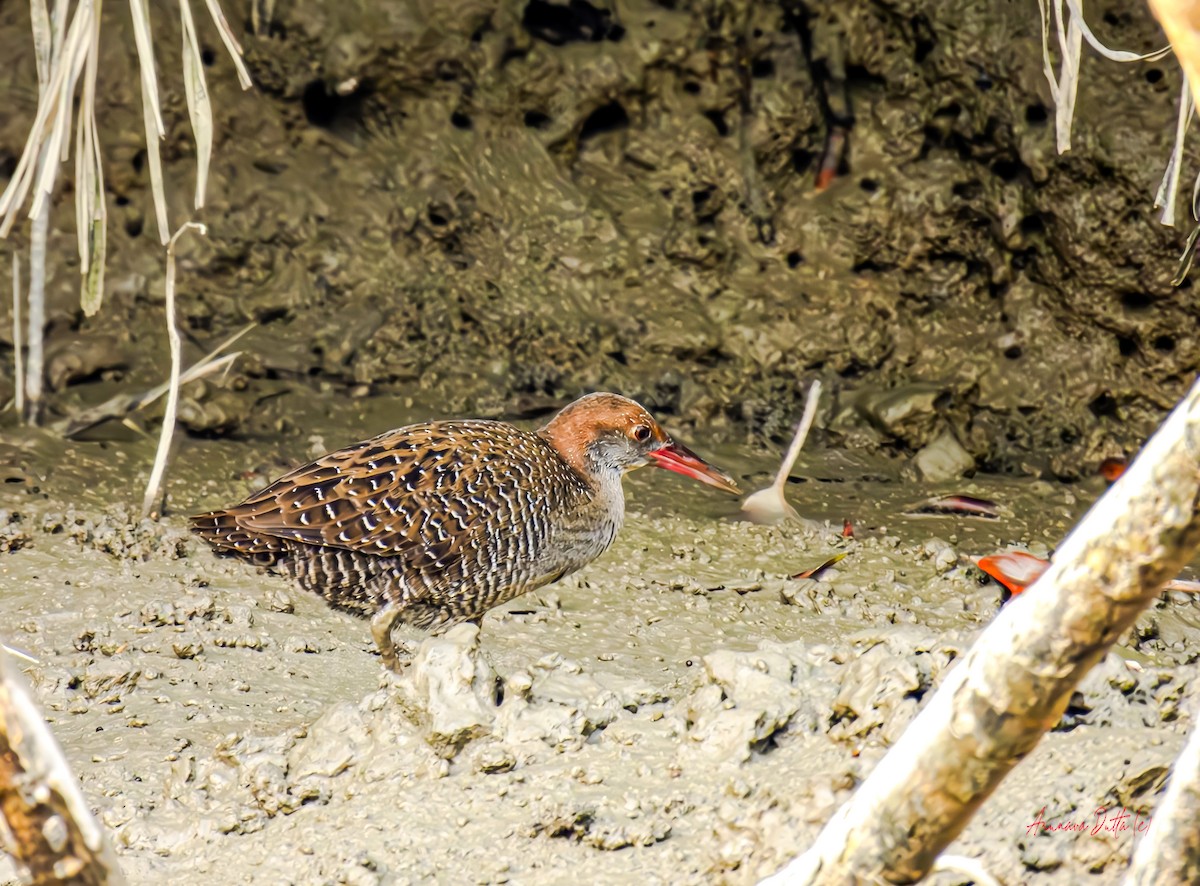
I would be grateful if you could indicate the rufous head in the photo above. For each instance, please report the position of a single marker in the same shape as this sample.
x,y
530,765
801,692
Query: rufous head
x,y
610,432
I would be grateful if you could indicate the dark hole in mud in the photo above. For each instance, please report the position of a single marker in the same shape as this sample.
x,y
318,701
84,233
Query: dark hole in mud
x,y
1077,714
8,164
924,39
133,227
1136,301
1006,169
139,161
121,200
1021,260
326,109
1153,75
1126,345
802,160
1013,352
1164,344
608,118
794,259
869,185
577,21
860,76
1103,405
536,120
950,111
207,57
717,119
967,190
1036,114
762,68
459,120
764,746
984,83
701,201
691,87
1032,224
620,357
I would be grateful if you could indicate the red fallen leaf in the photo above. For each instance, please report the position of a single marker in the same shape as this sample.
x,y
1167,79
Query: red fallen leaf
x,y
1016,570
817,570
1111,469
847,529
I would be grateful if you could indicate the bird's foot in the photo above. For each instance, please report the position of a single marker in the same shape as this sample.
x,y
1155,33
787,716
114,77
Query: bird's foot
x,y
396,656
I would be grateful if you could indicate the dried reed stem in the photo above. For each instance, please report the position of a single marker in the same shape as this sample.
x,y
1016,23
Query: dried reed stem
x,y
168,425
18,342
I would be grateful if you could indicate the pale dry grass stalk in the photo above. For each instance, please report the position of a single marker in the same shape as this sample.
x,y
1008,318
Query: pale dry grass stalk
x,y
1071,31
67,50
35,359
18,343
168,424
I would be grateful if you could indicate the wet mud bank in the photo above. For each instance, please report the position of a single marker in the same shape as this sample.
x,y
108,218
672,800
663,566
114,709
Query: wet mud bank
x,y
680,711
490,211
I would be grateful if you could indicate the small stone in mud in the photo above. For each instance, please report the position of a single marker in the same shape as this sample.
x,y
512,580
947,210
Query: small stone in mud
x,y
107,676
943,459
805,591
188,649
278,600
493,757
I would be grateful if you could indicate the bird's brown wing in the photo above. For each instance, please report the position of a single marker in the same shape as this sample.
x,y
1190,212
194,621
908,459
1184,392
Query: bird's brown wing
x,y
425,494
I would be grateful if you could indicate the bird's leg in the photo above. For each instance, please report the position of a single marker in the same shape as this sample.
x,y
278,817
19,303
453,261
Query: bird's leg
x,y
382,623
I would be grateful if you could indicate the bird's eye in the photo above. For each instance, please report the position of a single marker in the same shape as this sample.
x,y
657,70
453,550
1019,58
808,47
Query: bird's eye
x,y
641,433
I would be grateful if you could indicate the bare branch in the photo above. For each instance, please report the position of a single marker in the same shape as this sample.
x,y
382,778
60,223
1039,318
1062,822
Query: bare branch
x,y
1017,679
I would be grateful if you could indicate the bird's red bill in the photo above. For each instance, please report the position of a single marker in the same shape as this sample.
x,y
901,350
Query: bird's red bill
x,y
682,460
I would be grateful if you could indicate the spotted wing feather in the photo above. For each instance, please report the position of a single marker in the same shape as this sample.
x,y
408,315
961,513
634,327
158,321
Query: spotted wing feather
x,y
426,495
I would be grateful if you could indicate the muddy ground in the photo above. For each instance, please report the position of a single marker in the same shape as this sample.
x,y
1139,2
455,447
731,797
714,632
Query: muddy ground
x,y
492,210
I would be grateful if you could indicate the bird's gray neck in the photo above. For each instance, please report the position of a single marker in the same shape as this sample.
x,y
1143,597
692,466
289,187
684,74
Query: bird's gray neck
x,y
598,520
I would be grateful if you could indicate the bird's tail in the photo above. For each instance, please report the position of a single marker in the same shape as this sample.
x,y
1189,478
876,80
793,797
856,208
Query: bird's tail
x,y
222,530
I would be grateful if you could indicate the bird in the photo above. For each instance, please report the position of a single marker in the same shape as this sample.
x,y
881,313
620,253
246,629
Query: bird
x,y
434,524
